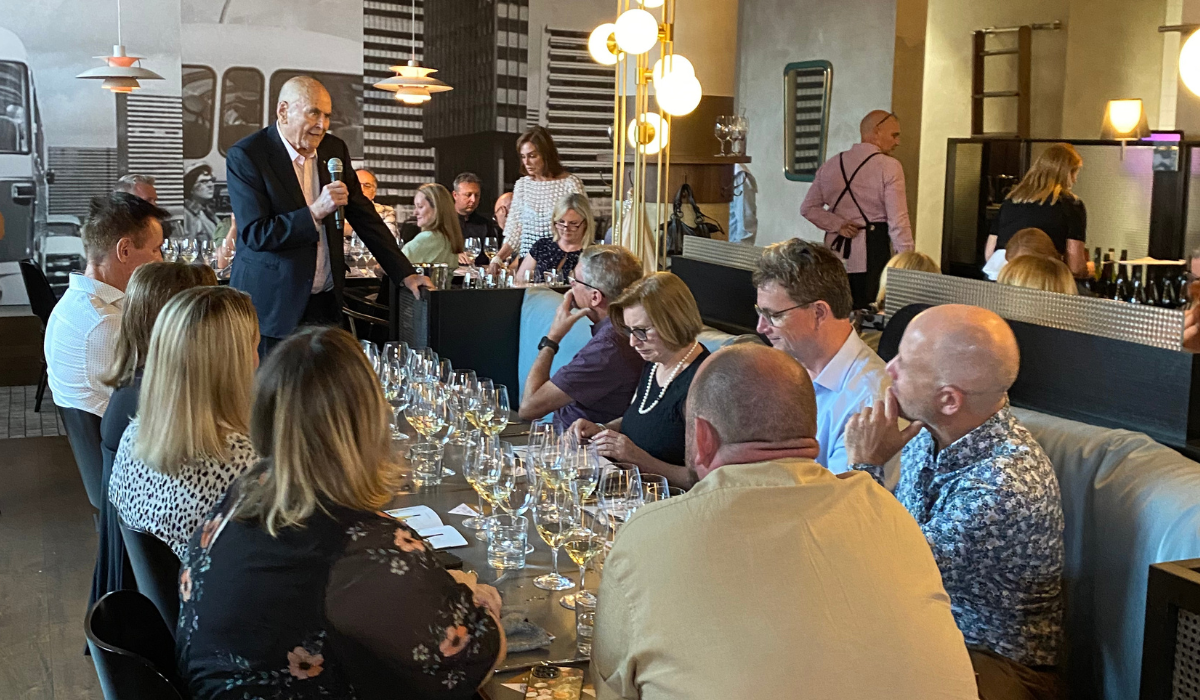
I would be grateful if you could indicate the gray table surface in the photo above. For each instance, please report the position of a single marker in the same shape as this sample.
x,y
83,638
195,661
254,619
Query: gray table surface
x,y
516,587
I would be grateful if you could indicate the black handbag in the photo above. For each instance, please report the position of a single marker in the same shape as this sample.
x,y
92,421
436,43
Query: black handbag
x,y
703,227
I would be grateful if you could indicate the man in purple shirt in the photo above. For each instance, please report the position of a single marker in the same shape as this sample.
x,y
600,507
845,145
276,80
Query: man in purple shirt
x,y
857,198
598,383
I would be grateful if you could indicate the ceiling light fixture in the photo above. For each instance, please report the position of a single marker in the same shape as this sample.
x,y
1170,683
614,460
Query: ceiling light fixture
x,y
412,83
119,72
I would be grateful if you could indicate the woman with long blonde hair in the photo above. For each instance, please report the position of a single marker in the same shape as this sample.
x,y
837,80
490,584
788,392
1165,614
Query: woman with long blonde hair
x,y
190,438
440,239
355,603
1044,200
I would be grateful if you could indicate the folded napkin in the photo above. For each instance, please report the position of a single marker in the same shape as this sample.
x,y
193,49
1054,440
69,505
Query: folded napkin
x,y
522,634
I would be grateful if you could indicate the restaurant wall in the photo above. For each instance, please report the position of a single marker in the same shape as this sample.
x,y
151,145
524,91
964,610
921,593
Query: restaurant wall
x,y
858,37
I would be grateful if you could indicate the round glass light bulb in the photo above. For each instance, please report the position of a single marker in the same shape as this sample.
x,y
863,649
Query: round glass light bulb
x,y
1125,115
678,94
672,65
652,3
637,31
598,44
1189,63
649,133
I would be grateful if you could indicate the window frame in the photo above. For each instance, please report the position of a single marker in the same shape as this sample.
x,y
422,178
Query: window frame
x,y
212,127
219,117
789,117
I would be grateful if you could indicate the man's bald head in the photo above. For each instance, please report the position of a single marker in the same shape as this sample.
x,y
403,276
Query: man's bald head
x,y
881,129
303,112
955,358
752,393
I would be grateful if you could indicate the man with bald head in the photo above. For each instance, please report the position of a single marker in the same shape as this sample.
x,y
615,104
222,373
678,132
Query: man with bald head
x,y
981,488
772,577
857,198
289,252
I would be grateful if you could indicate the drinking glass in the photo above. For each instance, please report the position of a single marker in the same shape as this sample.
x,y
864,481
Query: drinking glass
x,y
498,421
426,461
655,488
395,351
552,513
445,372
585,623
371,350
481,403
583,542
721,130
738,134
491,246
357,251
426,410
473,246
507,540
620,493
168,250
515,484
470,467
584,472
396,391
185,250
463,382
204,250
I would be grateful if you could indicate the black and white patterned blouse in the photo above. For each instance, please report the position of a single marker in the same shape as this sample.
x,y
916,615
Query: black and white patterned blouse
x,y
171,507
351,605
990,507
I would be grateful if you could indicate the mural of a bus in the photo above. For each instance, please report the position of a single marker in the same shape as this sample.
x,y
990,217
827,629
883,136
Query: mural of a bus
x,y
231,80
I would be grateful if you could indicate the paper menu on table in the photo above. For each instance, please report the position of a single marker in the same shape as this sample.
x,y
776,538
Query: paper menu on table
x,y
428,525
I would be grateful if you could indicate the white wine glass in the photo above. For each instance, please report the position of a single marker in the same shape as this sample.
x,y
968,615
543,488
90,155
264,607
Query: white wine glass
x,y
471,466
655,488
721,130
474,247
371,350
515,485
619,492
396,391
498,421
553,516
583,542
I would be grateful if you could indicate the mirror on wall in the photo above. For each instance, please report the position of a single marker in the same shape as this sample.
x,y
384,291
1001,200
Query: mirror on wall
x,y
807,88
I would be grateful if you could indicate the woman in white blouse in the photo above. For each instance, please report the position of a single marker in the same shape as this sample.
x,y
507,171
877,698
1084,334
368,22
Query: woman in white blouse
x,y
189,439
544,183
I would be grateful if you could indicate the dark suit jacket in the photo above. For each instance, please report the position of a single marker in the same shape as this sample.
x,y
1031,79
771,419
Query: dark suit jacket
x,y
277,238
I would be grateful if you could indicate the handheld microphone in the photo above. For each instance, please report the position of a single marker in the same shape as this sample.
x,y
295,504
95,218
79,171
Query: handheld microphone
x,y
335,173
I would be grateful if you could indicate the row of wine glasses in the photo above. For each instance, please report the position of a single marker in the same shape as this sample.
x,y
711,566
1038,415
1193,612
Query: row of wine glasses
x,y
359,260
189,250
732,128
488,245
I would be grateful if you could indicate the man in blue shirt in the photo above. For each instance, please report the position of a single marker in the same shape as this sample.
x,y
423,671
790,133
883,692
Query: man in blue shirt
x,y
980,487
804,307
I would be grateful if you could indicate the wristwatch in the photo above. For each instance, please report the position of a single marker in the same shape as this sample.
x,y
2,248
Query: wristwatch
x,y
547,343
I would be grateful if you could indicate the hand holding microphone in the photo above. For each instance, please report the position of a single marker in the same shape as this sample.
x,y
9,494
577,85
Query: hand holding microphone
x,y
333,197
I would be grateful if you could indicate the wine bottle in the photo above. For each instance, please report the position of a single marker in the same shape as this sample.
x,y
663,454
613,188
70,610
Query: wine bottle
x,y
1104,283
1138,289
1120,290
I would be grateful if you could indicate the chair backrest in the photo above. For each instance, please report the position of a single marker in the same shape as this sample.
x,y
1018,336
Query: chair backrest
x,y
133,652
156,570
83,432
889,340
38,289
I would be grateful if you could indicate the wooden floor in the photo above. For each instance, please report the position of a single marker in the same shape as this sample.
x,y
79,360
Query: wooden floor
x,y
47,550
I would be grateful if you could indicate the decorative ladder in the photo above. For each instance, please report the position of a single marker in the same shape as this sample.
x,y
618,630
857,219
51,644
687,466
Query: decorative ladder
x,y
1024,53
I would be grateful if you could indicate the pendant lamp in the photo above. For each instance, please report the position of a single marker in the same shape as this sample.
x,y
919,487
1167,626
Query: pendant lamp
x,y
120,74
412,82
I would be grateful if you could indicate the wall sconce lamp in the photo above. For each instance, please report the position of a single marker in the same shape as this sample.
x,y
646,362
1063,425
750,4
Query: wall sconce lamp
x,y
1124,120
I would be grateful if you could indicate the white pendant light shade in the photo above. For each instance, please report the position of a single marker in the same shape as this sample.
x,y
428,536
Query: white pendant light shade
x,y
637,31
649,133
602,44
1189,63
119,72
671,65
678,94
413,83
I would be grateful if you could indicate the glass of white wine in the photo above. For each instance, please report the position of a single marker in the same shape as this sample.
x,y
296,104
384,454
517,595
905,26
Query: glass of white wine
x,y
470,469
583,542
487,474
498,421
426,410
552,513
396,391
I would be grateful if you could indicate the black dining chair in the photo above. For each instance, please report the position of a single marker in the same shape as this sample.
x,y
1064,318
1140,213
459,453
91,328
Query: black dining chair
x,y
42,301
889,340
83,432
132,649
156,570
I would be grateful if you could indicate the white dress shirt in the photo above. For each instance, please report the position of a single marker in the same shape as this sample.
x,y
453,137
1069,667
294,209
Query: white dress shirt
x,y
855,378
310,184
81,339
776,580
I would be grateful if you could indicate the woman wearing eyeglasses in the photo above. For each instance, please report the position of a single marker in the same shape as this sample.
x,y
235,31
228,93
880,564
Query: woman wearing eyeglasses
x,y
660,317
574,230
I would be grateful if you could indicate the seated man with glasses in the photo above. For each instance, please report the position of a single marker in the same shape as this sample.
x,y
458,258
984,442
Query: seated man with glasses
x,y
599,381
804,309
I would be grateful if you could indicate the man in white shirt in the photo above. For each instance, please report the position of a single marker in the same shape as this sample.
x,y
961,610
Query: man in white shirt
x,y
804,309
122,232
772,578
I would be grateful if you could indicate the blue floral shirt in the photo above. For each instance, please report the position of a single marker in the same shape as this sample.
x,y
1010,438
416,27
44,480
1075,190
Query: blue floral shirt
x,y
990,507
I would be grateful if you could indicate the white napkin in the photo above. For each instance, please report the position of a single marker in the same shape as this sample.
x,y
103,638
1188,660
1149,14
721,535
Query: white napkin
x,y
464,509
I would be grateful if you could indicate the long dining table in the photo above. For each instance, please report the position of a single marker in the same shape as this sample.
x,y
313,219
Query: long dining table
x,y
516,587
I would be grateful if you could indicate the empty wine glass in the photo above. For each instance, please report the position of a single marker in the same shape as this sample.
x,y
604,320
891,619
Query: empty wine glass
x,y
204,250
471,467
721,131
655,488
515,486
371,350
619,492
168,250
396,391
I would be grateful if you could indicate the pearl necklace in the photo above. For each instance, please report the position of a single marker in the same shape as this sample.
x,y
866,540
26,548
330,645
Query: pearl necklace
x,y
642,410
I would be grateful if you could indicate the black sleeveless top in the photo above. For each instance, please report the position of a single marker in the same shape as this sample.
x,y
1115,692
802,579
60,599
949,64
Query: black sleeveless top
x,y
661,431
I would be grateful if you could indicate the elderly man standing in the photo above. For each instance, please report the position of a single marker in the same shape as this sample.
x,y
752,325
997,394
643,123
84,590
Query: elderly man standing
x,y
804,309
982,490
289,252
599,382
857,198
772,578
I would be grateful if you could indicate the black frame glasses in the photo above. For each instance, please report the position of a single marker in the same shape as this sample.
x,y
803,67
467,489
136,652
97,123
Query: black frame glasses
x,y
774,318
640,333
573,280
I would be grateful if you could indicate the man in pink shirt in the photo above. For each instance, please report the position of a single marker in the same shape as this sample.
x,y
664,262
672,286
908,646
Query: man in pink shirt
x,y
857,198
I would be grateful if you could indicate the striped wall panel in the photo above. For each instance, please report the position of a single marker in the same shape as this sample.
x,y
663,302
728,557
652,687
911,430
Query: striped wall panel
x,y
79,175
579,112
154,142
393,143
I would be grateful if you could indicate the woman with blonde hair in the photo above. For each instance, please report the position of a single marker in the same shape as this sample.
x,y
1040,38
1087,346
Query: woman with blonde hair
x,y
1044,200
907,260
355,603
151,286
440,239
659,316
574,231
1037,272
189,440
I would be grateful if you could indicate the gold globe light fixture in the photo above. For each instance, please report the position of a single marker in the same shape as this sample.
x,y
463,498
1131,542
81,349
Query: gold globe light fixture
x,y
678,95
636,31
671,65
649,133
602,45
412,82
121,72
1189,63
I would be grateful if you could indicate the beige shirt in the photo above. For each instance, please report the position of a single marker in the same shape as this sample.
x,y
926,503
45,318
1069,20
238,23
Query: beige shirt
x,y
777,580
310,185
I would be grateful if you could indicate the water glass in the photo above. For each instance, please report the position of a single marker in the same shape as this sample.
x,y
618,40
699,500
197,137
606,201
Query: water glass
x,y
426,461
506,538
585,622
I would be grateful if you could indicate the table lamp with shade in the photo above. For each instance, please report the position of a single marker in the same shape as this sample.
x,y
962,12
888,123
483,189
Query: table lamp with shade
x,y
1124,120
